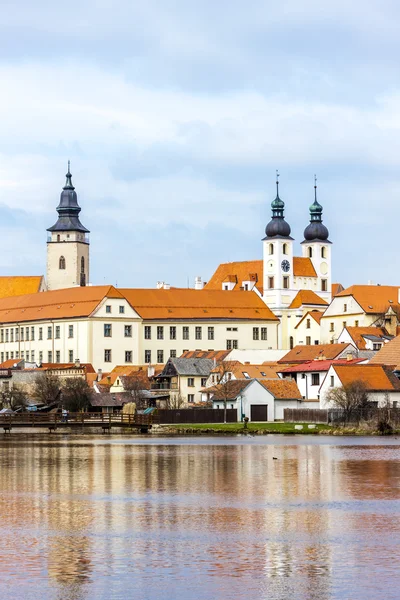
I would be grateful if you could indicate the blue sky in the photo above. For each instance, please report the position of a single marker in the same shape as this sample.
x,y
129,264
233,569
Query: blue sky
x,y
175,115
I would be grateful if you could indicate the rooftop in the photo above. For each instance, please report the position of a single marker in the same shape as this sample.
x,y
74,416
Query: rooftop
x,y
301,354
375,377
374,298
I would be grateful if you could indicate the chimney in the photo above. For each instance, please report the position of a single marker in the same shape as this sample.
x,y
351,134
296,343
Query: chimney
x,y
198,284
99,375
349,356
167,286
160,285
77,363
150,371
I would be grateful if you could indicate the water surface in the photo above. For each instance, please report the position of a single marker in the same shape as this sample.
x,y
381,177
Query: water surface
x,y
271,518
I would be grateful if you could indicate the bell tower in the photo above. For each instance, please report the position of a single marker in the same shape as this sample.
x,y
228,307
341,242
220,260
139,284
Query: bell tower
x,y
68,243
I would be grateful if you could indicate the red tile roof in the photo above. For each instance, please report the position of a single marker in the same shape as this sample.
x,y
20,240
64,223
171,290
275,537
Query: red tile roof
x,y
303,267
307,297
375,377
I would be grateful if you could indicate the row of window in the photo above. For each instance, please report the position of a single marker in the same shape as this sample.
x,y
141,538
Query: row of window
x,y
256,333
62,262
271,250
21,334
198,332
121,309
108,330
190,381
344,324
29,356
285,283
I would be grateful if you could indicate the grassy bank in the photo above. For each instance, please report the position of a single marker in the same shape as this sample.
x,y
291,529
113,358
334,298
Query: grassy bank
x,y
235,428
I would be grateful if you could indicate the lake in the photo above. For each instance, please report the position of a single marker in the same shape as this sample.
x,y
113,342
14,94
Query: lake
x,y
262,518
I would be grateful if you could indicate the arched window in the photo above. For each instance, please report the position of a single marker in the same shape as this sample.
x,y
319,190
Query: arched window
x,y
82,264
61,264
58,237
271,248
310,252
284,248
323,252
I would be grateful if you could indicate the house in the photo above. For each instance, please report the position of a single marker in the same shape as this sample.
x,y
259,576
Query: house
x,y
301,354
113,382
310,375
361,306
259,400
365,338
308,331
233,369
388,355
184,378
379,381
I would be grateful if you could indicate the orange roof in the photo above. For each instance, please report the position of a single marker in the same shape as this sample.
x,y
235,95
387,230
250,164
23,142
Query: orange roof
x,y
56,304
374,377
357,333
206,304
91,378
239,369
236,272
88,367
374,298
389,354
336,288
282,388
307,297
19,285
301,354
303,267
229,390
315,314
217,354
10,363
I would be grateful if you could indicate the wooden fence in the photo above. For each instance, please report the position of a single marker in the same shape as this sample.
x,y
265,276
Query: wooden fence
x,y
334,416
305,415
196,415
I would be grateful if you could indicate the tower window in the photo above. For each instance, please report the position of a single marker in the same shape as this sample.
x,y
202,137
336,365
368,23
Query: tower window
x,y
271,283
310,252
271,249
284,248
285,282
323,252
324,285
61,264
82,264
58,237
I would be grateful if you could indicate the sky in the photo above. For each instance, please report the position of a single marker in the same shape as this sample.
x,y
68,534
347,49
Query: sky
x,y
175,116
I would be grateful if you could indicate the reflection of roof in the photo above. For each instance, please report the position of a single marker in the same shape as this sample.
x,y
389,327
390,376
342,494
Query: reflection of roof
x,y
303,267
318,365
181,303
315,314
389,354
282,389
374,298
305,353
374,377
18,286
307,297
358,335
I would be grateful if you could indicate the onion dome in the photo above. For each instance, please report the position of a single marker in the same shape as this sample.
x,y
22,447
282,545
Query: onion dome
x,y
316,230
277,227
68,209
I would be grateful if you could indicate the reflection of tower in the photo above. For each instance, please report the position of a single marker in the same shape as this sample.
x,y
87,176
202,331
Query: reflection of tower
x,y
68,245
278,256
317,247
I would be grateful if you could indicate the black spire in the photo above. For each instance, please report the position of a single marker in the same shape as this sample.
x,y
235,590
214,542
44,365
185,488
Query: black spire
x,y
316,230
277,227
68,209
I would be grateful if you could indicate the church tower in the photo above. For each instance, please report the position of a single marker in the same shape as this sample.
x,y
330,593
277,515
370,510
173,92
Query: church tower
x,y
317,247
278,257
68,243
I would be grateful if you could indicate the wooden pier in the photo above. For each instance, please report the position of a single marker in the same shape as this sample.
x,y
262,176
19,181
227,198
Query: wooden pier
x,y
79,421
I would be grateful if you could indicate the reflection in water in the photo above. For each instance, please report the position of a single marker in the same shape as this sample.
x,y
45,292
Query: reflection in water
x,y
85,518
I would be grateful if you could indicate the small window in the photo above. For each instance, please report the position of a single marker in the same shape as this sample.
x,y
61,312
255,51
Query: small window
x,y
310,252
61,264
147,332
70,356
107,330
344,324
246,287
284,248
264,334
32,355
324,285
160,356
12,335
256,333
323,252
58,356
128,356
235,344
172,333
203,381
147,356
308,340
190,382
246,375
70,331
308,324
58,237
211,333
172,353
198,333
376,346
291,343
314,378
285,282
58,332
190,398
229,344
271,283
108,308
40,356
49,334
83,265
185,333
7,338
355,323
32,333
26,334
11,355
332,327
271,249
128,330
49,356
344,307
160,332
107,355
2,337
40,333
332,381
122,310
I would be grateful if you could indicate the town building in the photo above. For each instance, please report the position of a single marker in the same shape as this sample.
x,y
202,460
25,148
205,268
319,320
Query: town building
x,y
367,339
184,378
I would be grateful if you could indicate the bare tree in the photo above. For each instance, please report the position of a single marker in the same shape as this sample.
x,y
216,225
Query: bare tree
x,y
175,400
225,384
47,387
76,394
350,398
134,384
14,397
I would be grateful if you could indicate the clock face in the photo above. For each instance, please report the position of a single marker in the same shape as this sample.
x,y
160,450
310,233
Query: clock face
x,y
285,266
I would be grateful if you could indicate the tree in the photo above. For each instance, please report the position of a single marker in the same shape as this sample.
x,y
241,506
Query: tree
x,y
47,388
76,394
14,397
350,398
225,384
134,384
175,400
